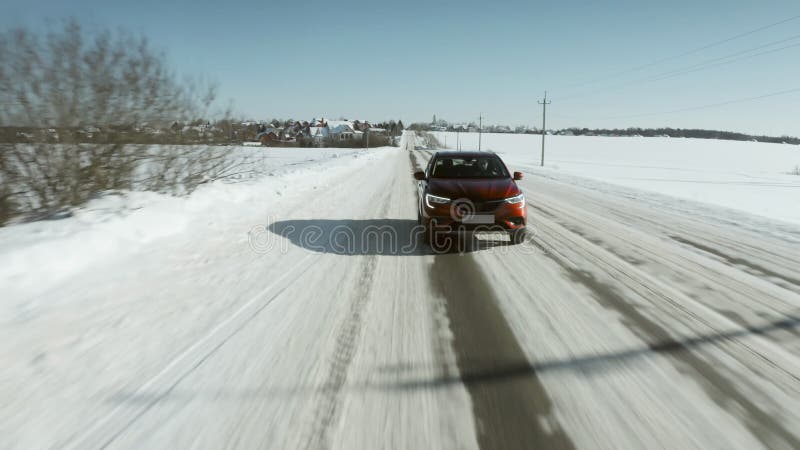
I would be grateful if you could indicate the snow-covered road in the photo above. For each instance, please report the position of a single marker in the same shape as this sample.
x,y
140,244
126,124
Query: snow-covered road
x,y
317,320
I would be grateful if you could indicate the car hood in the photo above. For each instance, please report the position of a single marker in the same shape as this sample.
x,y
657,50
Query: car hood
x,y
479,189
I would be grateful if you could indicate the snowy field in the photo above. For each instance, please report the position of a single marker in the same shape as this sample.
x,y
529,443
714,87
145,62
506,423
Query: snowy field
x,y
748,176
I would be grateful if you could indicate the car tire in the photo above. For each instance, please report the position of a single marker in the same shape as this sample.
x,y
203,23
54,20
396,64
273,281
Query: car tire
x,y
439,242
517,236
432,238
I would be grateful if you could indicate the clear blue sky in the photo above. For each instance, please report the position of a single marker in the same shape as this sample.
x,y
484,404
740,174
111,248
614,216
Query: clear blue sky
x,y
413,59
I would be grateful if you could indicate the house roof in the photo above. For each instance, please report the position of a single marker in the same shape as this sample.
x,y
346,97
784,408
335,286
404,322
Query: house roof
x,y
316,131
340,126
272,131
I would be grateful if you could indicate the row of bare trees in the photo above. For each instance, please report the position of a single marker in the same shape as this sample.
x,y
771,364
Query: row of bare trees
x,y
73,79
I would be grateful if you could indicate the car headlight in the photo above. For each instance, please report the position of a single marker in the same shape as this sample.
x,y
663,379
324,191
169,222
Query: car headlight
x,y
516,199
435,199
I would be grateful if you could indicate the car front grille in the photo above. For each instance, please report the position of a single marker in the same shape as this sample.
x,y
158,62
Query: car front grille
x,y
487,207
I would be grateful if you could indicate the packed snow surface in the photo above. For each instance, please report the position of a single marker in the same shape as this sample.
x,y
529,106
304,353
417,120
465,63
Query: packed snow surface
x,y
37,254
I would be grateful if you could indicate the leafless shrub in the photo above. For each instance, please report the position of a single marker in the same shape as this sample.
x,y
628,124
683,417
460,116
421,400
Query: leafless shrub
x,y
375,140
183,168
68,81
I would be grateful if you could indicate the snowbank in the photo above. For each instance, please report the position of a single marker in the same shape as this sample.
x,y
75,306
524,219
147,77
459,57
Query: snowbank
x,y
748,176
39,254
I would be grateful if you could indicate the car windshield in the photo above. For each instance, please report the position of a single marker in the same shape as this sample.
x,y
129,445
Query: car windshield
x,y
468,167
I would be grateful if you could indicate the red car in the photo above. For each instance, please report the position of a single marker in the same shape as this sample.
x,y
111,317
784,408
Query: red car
x,y
470,191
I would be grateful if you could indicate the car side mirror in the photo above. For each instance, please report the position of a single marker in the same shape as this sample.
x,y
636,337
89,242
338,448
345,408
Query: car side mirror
x,y
517,175
420,175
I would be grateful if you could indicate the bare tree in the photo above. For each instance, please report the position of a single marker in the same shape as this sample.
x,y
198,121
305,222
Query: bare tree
x,y
70,82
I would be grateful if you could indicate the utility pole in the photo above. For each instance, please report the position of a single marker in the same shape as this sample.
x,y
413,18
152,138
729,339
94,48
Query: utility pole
x,y
480,130
544,104
458,140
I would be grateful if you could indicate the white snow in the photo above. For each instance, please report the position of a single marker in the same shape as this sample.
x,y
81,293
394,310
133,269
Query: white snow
x,y
132,324
748,176
37,255
149,321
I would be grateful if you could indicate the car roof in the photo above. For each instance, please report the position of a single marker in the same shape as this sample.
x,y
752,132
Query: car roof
x,y
471,154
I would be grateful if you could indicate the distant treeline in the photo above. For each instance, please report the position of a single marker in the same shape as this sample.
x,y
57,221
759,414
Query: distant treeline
x,y
441,125
198,131
678,133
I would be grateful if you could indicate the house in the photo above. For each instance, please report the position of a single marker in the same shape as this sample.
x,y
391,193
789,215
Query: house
x,y
317,135
361,125
267,137
296,130
342,130
318,132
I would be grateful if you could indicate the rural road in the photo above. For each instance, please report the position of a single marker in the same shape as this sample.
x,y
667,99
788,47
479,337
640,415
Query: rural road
x,y
617,324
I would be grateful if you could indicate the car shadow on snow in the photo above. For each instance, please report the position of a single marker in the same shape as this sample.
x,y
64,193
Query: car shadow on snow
x,y
391,237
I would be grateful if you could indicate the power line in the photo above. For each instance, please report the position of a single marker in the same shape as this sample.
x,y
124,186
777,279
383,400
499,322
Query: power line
x,y
743,52
686,53
714,62
712,105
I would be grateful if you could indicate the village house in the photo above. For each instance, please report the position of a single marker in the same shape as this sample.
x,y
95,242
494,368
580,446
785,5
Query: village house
x,y
342,130
317,132
317,135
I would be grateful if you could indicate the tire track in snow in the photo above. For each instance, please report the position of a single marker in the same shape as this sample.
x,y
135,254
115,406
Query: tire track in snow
x,y
658,339
445,364
105,431
326,410
757,269
510,412
719,388
327,407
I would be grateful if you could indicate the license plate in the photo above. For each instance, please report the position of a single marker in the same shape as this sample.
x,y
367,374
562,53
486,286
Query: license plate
x,y
482,219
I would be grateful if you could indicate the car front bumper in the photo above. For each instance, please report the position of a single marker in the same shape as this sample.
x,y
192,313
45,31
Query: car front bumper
x,y
507,217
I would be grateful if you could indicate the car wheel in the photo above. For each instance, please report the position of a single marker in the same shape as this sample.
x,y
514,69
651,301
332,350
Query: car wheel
x,y
432,238
438,241
517,236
